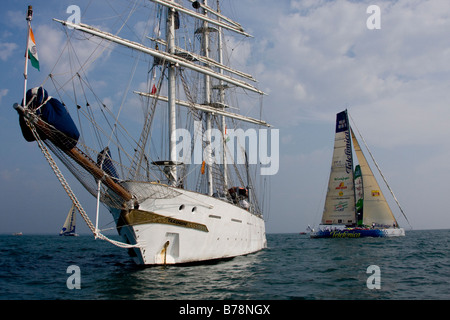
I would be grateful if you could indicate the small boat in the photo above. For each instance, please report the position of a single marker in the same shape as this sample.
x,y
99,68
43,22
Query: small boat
x,y
355,206
17,234
68,228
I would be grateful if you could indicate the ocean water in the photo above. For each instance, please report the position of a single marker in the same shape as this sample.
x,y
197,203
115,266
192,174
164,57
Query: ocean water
x,y
415,267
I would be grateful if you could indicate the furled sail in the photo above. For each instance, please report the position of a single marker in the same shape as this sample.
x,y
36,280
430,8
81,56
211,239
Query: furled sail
x,y
340,199
53,112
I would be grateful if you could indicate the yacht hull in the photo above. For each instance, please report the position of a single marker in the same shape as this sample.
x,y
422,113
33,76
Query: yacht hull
x,y
189,227
358,233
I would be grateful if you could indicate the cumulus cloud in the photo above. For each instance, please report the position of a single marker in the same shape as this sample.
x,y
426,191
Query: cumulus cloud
x,y
6,50
316,58
59,55
319,57
3,92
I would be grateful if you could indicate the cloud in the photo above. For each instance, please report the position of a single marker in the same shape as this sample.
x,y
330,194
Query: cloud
x,y
16,19
7,175
53,50
316,58
3,93
319,57
6,50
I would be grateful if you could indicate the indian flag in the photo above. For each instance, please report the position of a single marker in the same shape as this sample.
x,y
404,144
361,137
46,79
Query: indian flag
x,y
32,51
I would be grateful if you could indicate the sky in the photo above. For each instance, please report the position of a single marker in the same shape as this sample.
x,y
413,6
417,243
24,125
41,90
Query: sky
x,y
314,59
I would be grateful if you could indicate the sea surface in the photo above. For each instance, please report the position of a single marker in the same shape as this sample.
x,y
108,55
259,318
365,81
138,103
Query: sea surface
x,y
414,267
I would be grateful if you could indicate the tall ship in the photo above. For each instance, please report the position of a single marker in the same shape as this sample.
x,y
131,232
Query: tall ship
x,y
355,206
174,170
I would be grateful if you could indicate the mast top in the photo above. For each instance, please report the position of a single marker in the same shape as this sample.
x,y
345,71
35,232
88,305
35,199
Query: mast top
x,y
30,13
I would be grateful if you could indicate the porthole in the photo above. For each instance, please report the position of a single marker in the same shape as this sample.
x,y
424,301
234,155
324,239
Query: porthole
x,y
181,207
194,209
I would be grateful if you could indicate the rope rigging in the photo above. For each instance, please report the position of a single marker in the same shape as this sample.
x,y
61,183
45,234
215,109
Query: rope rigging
x,y
72,196
106,129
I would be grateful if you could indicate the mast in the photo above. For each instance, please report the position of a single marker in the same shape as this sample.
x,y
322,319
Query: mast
x,y
207,101
25,72
222,102
352,164
172,96
230,25
204,64
211,62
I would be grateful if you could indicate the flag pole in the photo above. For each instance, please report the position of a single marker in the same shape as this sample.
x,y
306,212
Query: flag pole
x,y
25,73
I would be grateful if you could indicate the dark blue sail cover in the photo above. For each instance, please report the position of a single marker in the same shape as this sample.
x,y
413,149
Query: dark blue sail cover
x,y
51,111
104,161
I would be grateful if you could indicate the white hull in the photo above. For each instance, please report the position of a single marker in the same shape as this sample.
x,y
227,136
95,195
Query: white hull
x,y
188,227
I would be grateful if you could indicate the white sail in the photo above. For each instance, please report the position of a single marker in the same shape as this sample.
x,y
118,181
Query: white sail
x,y
70,223
340,199
376,209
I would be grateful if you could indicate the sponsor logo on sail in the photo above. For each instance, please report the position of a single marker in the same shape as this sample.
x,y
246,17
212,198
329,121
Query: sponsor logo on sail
x,y
341,206
342,124
341,178
348,153
341,186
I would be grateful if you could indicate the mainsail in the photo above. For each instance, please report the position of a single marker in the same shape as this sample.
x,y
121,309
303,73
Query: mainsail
x,y
340,199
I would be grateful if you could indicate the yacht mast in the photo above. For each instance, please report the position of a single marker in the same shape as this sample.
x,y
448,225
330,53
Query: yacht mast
x,y
207,101
221,89
226,23
25,72
172,96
